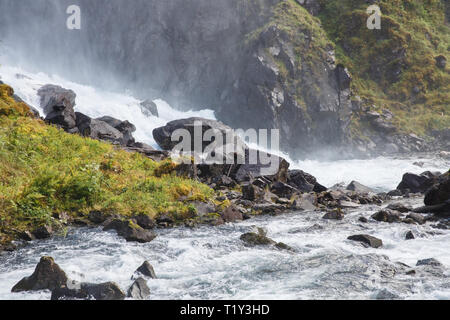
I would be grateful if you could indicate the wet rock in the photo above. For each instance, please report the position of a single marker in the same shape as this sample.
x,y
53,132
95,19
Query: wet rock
x,y
43,232
249,192
336,214
144,221
146,270
440,192
102,291
348,204
269,208
124,127
47,276
149,108
26,236
400,207
440,210
395,193
283,190
358,187
367,240
417,183
429,262
387,215
304,182
139,290
417,218
130,231
283,246
231,214
257,239
409,236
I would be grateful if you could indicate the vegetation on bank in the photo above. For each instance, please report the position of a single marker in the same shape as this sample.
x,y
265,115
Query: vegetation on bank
x,y
44,170
395,67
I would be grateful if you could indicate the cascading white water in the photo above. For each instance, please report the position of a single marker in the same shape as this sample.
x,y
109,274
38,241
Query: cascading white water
x,y
212,263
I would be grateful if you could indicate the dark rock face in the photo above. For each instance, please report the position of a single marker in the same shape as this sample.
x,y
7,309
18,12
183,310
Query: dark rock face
x,y
440,192
43,232
47,276
367,240
146,270
102,291
139,290
130,231
417,183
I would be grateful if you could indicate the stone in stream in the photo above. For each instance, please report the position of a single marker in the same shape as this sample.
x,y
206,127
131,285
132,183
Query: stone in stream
x,y
261,239
75,290
409,236
387,215
47,276
367,240
139,290
130,231
416,217
231,214
146,270
43,232
418,183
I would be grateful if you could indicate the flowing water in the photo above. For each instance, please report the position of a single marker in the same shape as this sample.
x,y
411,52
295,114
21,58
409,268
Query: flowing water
x,y
212,262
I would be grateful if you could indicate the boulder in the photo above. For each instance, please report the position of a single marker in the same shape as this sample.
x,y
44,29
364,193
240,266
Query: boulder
x,y
130,231
358,187
102,291
139,290
257,239
304,182
96,217
43,232
149,108
367,240
52,96
144,221
418,183
416,217
97,129
336,214
440,210
58,105
441,61
231,214
47,276
124,127
146,270
283,190
400,207
429,262
409,236
387,215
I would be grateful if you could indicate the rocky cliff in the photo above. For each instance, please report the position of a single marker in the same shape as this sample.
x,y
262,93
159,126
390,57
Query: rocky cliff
x,y
307,67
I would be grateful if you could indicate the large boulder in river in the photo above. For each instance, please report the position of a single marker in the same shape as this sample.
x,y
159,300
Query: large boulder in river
x,y
97,129
367,240
149,108
47,276
139,290
418,183
440,192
